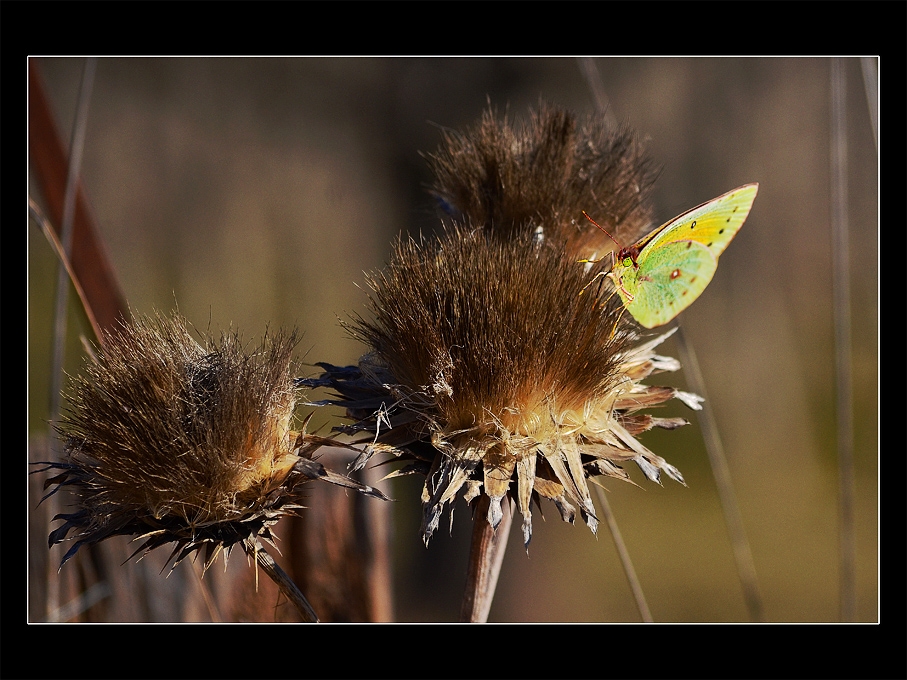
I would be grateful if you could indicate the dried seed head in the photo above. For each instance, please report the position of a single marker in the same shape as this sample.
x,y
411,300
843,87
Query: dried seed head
x,y
493,373
172,440
538,177
498,363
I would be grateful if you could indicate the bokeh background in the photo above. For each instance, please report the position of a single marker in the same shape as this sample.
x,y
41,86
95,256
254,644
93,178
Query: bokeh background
x,y
255,192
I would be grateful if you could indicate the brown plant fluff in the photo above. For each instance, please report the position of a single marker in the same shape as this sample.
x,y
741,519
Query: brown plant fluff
x,y
539,176
492,373
172,440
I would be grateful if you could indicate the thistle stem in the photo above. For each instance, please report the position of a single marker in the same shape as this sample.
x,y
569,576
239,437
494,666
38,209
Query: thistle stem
x,y
486,554
282,579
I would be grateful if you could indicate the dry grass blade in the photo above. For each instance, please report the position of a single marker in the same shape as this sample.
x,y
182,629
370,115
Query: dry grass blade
x,y
75,242
842,316
82,603
88,255
742,552
743,556
51,237
205,592
594,82
870,68
73,170
624,556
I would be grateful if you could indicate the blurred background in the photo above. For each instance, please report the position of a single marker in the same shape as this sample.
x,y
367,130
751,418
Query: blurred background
x,y
255,192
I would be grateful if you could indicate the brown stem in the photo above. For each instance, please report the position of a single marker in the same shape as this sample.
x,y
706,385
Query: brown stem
x,y
54,242
624,556
49,166
743,555
486,554
280,577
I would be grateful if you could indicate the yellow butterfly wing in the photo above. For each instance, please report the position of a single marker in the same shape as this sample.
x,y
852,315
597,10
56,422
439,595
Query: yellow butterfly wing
x,y
676,262
714,223
666,282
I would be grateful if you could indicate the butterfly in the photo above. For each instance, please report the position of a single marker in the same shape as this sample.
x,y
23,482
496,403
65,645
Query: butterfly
x,y
665,271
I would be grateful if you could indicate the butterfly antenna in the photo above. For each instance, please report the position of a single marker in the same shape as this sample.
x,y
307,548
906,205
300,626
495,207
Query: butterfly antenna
x,y
602,228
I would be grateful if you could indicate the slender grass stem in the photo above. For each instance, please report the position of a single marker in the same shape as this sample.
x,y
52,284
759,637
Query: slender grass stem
x,y
743,556
82,603
870,66
842,322
48,230
205,592
66,229
62,288
624,556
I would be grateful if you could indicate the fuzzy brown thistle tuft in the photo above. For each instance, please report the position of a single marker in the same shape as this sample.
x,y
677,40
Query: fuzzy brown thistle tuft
x,y
491,373
173,441
536,177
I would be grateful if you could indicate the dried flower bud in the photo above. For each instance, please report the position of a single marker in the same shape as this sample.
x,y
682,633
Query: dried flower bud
x,y
539,176
492,373
171,440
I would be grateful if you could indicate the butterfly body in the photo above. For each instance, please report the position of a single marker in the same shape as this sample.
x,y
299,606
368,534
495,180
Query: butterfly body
x,y
664,272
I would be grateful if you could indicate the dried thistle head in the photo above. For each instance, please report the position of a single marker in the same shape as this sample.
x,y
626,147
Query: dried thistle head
x,y
493,371
495,367
538,176
175,441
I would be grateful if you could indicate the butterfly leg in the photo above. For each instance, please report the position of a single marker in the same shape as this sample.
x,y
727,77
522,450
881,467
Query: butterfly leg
x,y
617,323
592,281
619,282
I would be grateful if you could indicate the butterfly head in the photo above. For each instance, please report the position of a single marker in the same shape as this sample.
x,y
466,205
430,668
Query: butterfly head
x,y
627,257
